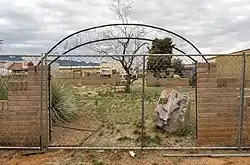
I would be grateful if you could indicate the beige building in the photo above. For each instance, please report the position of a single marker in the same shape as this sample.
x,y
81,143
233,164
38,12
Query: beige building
x,y
211,59
231,66
112,67
77,71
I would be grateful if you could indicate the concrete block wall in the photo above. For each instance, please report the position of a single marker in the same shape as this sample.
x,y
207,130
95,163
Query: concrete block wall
x,y
91,80
218,108
20,114
151,81
246,127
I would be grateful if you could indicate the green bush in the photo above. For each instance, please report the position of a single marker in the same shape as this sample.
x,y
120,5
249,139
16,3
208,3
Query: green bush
x,y
4,81
4,87
63,102
192,80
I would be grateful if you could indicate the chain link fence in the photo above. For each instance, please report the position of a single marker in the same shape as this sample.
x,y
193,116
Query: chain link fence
x,y
139,101
157,101
19,106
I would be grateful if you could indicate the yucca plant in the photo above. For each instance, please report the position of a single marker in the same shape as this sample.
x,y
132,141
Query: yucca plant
x,y
4,87
63,102
4,81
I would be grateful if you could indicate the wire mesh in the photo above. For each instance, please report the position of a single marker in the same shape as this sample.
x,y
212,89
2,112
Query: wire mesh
x,y
219,100
18,102
167,85
106,98
102,101
246,131
174,114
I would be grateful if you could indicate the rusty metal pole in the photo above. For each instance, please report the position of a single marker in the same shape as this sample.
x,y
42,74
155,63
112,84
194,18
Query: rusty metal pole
x,y
241,106
143,103
41,104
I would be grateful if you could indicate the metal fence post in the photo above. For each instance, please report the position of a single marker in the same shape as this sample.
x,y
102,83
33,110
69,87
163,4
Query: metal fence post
x,y
241,106
143,102
49,101
196,99
41,104
46,100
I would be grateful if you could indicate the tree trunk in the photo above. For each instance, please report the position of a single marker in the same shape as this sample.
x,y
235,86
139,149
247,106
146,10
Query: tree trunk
x,y
128,83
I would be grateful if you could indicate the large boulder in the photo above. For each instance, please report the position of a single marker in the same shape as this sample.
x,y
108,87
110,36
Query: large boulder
x,y
173,111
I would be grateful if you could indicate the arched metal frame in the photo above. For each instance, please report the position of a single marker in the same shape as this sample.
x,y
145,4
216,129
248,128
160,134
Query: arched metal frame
x,y
114,38
120,24
117,38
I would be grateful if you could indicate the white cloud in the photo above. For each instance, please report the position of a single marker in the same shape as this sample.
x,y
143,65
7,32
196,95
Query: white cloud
x,y
30,26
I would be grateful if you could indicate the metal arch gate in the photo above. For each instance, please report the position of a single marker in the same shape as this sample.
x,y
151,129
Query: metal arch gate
x,y
142,118
142,147
107,39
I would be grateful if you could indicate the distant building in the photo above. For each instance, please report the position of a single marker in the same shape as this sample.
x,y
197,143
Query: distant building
x,y
18,68
77,69
112,67
231,66
3,69
212,59
188,70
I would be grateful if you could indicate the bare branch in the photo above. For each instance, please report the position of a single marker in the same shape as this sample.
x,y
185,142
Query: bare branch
x,y
122,46
116,58
139,47
65,47
133,80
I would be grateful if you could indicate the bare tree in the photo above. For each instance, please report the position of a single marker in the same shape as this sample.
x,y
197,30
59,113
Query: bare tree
x,y
120,47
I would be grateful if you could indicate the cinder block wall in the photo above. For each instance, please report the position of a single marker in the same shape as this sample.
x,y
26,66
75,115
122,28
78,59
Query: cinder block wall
x,y
231,66
166,82
20,114
91,80
218,108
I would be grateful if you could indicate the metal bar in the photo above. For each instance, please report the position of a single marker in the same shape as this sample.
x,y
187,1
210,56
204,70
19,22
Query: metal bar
x,y
196,101
40,61
120,24
19,148
77,129
20,55
242,98
114,25
143,103
49,99
108,39
127,55
46,101
123,148
207,155
98,55
86,138
41,105
185,53
144,148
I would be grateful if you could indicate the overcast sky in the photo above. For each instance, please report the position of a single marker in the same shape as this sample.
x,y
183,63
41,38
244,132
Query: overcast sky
x,y
214,26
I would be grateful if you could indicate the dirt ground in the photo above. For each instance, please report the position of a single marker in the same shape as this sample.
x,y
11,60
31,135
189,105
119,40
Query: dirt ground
x,y
110,158
116,116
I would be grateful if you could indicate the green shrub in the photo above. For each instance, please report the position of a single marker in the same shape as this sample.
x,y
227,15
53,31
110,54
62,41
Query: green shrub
x,y
4,87
192,80
147,139
4,81
124,138
63,102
